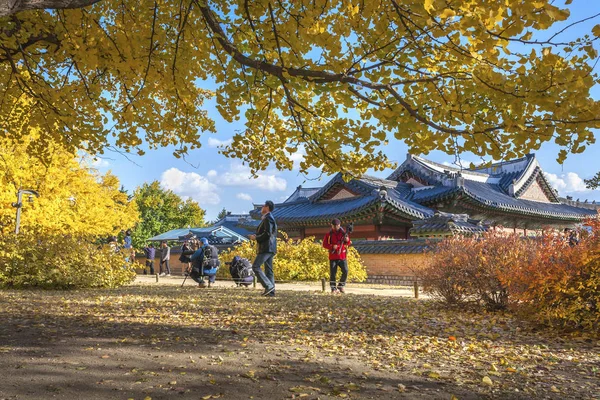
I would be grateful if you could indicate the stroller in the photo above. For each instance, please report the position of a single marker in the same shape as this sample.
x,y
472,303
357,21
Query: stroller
x,y
241,271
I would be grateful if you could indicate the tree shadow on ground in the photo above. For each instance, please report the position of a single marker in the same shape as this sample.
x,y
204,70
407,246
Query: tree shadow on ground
x,y
165,341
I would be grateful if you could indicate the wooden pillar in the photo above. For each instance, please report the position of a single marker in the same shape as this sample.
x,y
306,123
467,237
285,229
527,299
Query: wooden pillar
x,y
377,232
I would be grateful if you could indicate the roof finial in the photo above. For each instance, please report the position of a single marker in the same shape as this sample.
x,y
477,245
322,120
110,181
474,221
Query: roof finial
x,y
383,192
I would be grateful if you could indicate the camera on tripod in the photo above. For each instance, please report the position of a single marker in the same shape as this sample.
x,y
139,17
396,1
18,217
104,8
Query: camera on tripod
x,y
349,228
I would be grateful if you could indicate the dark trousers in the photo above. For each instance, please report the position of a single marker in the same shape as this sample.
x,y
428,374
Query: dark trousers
x,y
267,278
166,264
150,264
333,267
198,277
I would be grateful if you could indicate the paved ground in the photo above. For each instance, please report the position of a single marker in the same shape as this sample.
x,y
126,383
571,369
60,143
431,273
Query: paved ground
x,y
351,288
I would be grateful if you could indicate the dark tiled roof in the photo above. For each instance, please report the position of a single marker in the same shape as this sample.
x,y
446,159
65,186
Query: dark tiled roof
x,y
507,179
301,193
447,224
391,246
434,193
231,222
305,211
392,199
492,196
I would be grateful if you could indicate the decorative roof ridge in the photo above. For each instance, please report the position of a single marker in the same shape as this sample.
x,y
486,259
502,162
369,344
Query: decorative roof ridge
x,y
526,174
337,179
299,190
450,168
385,180
503,163
533,173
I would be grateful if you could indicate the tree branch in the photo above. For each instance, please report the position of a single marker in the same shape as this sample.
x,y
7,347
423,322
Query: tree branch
x,y
10,7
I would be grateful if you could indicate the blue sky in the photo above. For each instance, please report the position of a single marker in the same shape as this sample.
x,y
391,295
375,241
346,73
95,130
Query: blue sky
x,y
217,182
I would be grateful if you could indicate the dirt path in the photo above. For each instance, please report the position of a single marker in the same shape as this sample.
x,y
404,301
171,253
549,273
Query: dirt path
x,y
351,288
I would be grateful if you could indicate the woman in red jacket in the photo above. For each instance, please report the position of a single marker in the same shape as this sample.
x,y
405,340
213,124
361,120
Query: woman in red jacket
x,y
337,242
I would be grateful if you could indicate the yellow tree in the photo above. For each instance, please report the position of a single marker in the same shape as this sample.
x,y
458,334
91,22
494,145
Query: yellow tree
x,y
338,77
74,199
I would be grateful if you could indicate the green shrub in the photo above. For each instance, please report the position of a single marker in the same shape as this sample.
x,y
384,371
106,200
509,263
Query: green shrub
x,y
60,262
297,260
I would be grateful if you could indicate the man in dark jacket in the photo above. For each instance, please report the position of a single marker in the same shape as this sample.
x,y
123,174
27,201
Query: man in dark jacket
x,y
165,256
150,254
266,238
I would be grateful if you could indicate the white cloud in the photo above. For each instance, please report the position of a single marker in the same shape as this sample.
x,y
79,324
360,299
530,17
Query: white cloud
x,y
244,196
212,142
190,185
100,163
211,174
297,157
239,175
568,182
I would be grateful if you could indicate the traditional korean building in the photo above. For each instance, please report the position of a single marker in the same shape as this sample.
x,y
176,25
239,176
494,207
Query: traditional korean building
x,y
513,194
424,199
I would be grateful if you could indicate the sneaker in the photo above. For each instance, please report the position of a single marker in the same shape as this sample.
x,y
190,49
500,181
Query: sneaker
x,y
341,289
202,285
162,274
268,292
168,275
334,291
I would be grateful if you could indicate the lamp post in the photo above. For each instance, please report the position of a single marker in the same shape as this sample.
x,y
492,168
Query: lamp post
x,y
19,204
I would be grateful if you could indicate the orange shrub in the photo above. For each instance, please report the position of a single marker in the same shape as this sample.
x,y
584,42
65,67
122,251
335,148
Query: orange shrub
x,y
544,279
560,286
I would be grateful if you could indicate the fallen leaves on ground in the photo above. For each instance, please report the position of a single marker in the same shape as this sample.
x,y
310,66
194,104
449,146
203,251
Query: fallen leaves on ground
x,y
487,354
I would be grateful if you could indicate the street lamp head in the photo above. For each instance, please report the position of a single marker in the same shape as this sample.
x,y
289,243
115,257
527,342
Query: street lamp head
x,y
30,199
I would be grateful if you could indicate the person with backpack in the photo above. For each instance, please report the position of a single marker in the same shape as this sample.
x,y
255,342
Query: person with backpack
x,y
337,242
205,262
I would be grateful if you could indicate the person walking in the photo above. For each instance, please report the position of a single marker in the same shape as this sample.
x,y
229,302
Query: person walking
x,y
266,239
165,256
337,242
150,252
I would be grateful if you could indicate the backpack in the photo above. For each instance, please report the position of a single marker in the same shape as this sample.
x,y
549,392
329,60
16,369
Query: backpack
x,y
241,268
211,258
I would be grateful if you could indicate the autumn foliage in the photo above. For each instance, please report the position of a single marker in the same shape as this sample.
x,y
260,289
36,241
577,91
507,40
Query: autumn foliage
x,y
340,79
56,261
543,278
298,260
